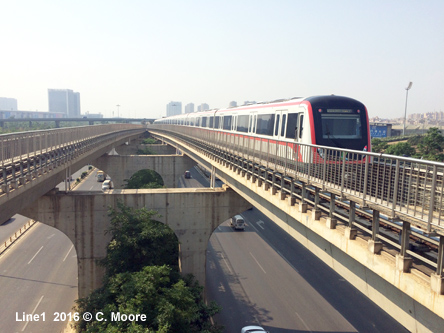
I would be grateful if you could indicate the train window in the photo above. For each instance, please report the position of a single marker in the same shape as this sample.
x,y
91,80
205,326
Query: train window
x,y
265,124
203,122
341,126
284,125
210,125
292,125
301,125
242,123
227,122
276,128
216,122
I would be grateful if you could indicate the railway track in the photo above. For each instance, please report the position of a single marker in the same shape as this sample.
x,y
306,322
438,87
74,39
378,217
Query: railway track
x,y
289,179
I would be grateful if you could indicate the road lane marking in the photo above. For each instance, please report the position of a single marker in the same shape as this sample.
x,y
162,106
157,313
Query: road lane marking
x,y
49,237
259,224
68,252
257,262
226,263
32,315
272,246
303,322
35,255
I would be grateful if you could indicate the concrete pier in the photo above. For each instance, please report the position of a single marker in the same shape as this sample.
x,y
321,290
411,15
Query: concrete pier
x,y
193,214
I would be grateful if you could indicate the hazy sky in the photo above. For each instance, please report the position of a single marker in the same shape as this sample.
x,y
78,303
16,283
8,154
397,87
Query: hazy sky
x,y
142,54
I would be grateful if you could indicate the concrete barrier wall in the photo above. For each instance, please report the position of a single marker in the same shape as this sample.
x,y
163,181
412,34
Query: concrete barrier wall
x,y
133,147
119,168
405,296
46,179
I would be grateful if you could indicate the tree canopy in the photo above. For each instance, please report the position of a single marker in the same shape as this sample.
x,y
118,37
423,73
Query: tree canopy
x,y
429,146
142,278
401,149
144,179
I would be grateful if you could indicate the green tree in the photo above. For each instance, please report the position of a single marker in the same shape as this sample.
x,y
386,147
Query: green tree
x,y
415,140
432,145
400,149
144,179
378,146
169,302
150,141
138,240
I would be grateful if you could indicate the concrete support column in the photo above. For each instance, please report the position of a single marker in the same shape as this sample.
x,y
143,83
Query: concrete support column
x,y
350,231
213,177
303,205
437,280
83,217
375,246
403,262
316,212
331,220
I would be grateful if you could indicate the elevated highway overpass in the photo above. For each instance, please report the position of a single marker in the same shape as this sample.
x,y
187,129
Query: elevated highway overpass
x,y
414,298
379,267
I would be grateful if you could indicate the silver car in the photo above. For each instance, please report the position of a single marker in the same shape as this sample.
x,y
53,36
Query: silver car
x,y
253,329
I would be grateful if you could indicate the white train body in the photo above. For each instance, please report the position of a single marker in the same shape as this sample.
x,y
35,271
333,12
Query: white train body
x,y
281,128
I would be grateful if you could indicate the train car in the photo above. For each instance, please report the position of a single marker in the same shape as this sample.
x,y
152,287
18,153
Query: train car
x,y
281,128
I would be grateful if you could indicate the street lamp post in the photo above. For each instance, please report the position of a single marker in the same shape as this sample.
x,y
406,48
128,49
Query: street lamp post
x,y
118,106
405,112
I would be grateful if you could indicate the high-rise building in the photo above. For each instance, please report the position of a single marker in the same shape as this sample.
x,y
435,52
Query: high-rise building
x,y
189,108
232,104
64,101
174,108
203,107
8,104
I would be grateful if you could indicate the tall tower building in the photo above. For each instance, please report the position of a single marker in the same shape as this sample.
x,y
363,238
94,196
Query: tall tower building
x,y
64,101
203,107
8,104
174,108
189,108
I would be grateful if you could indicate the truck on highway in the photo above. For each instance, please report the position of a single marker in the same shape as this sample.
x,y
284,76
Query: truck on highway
x,y
101,176
237,222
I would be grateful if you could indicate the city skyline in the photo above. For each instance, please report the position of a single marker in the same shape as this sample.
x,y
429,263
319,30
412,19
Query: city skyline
x,y
127,54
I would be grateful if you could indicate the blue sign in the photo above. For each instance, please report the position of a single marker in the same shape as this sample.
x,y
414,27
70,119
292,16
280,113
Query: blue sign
x,y
378,131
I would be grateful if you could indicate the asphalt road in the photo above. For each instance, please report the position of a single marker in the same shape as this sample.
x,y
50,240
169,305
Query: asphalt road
x,y
38,275
263,276
259,276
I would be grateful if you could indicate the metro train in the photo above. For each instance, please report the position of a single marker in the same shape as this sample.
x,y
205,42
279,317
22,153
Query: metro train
x,y
332,121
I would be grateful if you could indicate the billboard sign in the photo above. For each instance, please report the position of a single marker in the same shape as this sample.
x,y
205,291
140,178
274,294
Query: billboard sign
x,y
378,131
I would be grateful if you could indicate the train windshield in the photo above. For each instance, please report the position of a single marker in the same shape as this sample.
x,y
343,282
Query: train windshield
x,y
341,126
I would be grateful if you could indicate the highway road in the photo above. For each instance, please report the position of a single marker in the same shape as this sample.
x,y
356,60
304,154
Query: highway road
x,y
38,274
259,276
263,276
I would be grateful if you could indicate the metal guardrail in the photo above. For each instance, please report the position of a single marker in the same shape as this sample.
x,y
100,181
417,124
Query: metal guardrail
x,y
17,146
25,155
13,238
404,188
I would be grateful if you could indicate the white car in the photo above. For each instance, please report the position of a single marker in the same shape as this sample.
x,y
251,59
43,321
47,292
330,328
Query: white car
x,y
253,329
107,185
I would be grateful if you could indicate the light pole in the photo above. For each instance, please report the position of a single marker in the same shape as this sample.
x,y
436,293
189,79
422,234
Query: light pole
x,y
118,106
406,96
